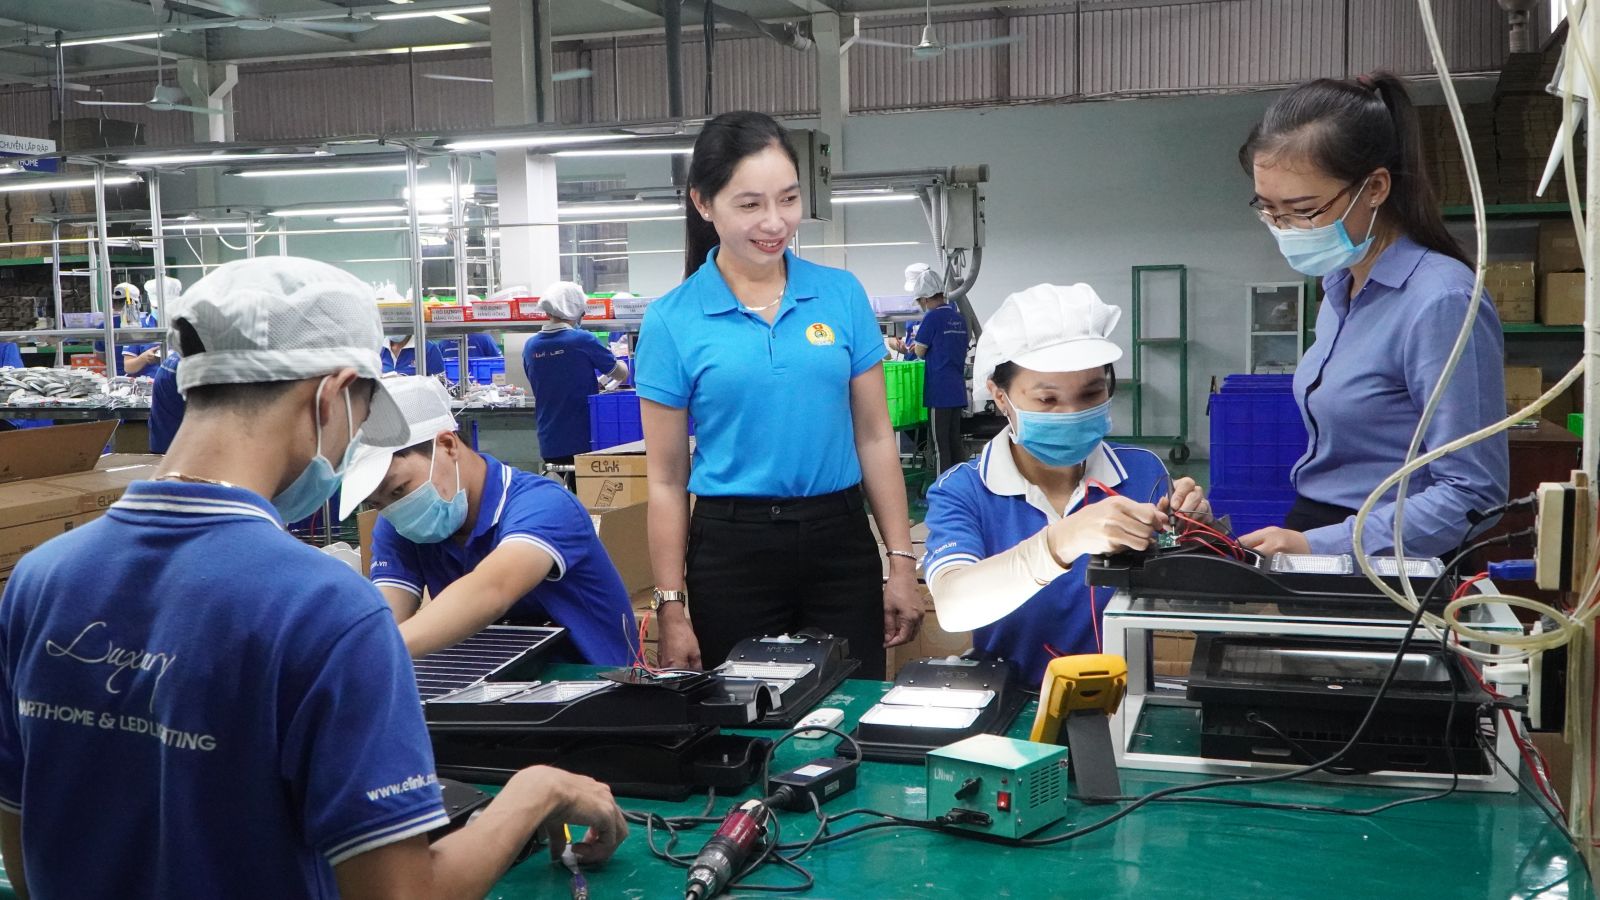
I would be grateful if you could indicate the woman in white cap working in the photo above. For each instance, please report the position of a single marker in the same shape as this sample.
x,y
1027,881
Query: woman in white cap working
x,y
941,342
1009,533
563,363
488,542
248,702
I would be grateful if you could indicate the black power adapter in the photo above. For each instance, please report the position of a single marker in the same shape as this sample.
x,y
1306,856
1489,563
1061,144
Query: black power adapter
x,y
823,779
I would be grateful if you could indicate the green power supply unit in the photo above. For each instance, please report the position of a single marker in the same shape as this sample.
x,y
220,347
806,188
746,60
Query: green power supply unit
x,y
998,785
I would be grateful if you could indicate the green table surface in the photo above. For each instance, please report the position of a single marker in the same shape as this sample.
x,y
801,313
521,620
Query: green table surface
x,y
1469,845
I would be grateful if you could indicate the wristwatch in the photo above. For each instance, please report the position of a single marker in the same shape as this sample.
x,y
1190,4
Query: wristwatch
x,y
662,598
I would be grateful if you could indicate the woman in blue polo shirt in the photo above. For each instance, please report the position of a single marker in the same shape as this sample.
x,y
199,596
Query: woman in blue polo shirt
x,y
1009,533
1341,183
400,357
487,541
563,363
777,360
941,343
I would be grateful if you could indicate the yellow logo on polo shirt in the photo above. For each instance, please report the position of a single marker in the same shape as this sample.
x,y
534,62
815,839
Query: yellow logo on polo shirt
x,y
819,334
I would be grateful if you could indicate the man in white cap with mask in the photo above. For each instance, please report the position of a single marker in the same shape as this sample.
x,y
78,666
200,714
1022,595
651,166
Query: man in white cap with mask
x,y
488,542
1009,533
195,704
941,342
563,363
132,359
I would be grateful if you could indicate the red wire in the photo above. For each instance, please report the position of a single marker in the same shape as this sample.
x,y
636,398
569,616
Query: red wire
x,y
1528,751
1196,541
1094,622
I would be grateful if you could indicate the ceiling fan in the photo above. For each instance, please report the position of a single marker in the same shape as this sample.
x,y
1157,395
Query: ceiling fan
x,y
930,47
564,75
165,97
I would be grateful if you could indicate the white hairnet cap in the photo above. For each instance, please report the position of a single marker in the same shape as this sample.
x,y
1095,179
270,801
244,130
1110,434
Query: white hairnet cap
x,y
124,292
563,300
1047,328
283,318
173,288
622,295
424,407
922,281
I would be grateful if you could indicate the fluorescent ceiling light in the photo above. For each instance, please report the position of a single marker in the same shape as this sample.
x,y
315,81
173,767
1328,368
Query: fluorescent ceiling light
x,y
631,151
53,184
319,170
422,14
607,241
533,140
110,39
421,220
617,209
309,211
204,226
861,244
159,159
429,48
378,259
873,198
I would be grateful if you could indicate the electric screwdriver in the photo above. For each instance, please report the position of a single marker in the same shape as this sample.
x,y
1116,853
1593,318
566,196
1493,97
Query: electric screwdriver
x,y
724,855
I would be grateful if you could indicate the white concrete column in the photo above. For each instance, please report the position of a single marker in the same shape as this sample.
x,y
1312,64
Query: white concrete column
x,y
521,62
833,99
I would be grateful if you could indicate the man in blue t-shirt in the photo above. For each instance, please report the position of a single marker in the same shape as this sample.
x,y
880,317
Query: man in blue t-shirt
x,y
487,541
195,704
563,363
941,343
166,404
399,357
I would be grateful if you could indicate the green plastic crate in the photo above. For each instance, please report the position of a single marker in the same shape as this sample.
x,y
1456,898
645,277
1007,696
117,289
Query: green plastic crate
x,y
903,382
1575,423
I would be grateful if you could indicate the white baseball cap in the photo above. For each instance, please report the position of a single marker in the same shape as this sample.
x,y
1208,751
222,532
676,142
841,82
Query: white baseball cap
x,y
125,292
283,318
1047,328
424,407
922,281
564,300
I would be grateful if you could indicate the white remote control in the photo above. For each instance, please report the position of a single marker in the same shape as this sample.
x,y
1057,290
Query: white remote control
x,y
826,717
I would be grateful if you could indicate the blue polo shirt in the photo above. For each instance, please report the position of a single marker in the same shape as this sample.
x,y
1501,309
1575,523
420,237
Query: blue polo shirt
x,y
146,320
10,356
583,592
481,344
944,376
166,405
1361,388
770,403
984,507
562,366
407,363
910,353
235,719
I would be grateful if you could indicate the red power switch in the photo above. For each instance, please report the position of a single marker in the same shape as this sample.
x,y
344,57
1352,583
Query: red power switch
x,y
1002,801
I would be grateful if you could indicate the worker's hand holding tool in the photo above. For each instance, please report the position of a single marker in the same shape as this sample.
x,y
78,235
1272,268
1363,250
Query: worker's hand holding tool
x,y
577,800
1187,498
1268,541
1109,526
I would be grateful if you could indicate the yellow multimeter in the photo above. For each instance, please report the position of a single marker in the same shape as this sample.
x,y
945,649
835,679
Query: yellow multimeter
x,y
1087,681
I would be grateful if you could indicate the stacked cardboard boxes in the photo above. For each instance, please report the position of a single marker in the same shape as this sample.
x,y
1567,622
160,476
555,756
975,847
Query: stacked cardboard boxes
x,y
1560,274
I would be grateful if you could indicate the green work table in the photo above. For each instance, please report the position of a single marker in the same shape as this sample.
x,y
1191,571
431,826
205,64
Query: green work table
x,y
1469,845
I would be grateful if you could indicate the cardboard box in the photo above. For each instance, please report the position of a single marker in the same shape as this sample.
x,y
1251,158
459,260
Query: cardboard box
x,y
1558,247
17,540
55,482
57,450
1524,384
1512,287
1561,298
931,640
1172,652
615,476
624,532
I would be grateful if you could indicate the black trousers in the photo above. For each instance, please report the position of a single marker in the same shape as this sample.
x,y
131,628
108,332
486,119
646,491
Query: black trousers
x,y
945,423
758,566
1308,514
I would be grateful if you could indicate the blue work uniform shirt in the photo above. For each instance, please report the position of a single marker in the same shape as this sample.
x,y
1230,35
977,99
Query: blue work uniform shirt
x,y
944,376
1361,389
910,354
984,507
562,367
10,356
770,403
146,320
406,363
166,405
481,344
234,719
583,592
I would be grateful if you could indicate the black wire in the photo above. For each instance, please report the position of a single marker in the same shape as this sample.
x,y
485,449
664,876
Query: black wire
x,y
1543,806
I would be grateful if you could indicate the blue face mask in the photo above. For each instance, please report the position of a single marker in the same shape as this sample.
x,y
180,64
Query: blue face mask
x,y
1062,439
306,494
1327,248
424,517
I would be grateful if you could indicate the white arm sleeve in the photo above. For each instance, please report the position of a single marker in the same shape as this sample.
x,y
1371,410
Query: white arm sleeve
x,y
968,596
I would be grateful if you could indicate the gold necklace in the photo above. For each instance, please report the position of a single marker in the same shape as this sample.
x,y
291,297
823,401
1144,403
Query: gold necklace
x,y
192,479
756,309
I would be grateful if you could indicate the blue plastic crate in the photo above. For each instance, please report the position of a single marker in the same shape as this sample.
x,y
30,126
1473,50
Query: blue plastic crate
x,y
1269,383
1250,510
484,368
614,419
1256,438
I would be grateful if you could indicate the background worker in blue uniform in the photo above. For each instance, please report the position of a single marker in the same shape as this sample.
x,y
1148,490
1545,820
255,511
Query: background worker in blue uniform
x,y
245,698
941,342
1009,533
11,358
489,542
400,357
166,403
778,362
563,363
132,359
1341,183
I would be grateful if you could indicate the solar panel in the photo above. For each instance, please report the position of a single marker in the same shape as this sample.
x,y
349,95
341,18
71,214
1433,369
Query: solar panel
x,y
496,650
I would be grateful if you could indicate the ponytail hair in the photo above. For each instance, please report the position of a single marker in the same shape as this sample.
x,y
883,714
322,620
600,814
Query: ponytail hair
x,y
1349,128
724,142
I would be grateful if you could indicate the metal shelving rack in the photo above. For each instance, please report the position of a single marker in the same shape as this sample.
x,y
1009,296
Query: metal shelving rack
x,y
1179,344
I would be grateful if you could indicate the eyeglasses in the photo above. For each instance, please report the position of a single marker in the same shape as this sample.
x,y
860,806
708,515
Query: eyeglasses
x,y
1298,220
